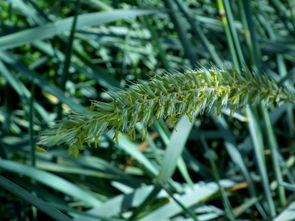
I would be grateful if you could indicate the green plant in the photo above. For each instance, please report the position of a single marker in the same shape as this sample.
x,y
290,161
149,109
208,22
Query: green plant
x,y
57,55
169,96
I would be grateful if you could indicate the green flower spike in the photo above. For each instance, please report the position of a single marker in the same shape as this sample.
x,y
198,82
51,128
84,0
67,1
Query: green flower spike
x,y
169,97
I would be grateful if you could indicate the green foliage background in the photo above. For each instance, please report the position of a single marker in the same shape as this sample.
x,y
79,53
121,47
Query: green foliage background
x,y
58,56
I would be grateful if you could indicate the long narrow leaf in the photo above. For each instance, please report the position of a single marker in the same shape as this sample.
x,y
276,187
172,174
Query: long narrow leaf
x,y
49,30
25,195
50,180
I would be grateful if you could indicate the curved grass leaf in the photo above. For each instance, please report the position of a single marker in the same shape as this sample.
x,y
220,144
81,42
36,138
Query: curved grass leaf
x,y
64,25
50,180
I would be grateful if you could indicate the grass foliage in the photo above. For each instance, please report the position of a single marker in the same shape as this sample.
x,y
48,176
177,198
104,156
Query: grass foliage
x,y
174,141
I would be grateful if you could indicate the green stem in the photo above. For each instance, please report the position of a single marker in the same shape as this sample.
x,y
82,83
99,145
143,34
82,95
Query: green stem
x,y
233,32
69,49
247,15
184,208
229,37
31,125
256,135
211,155
274,154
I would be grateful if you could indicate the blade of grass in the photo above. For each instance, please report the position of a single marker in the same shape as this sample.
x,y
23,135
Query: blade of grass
x,y
31,121
173,152
119,204
237,158
165,134
38,189
274,150
82,214
245,206
179,203
41,82
232,28
50,180
147,201
128,146
49,30
247,16
200,192
288,186
211,156
259,154
68,55
229,37
174,149
75,170
38,203
287,214
22,91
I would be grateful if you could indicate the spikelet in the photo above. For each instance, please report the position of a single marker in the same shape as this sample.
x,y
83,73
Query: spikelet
x,y
168,97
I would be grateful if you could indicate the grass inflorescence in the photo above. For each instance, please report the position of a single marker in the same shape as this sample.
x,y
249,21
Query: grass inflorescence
x,y
169,96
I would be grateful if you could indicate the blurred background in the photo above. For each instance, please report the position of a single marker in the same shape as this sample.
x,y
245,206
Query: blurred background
x,y
57,56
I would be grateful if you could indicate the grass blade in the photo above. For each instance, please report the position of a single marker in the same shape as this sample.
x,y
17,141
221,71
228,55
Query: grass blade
x,y
41,82
259,154
50,180
68,55
211,155
63,25
174,149
199,193
274,154
287,214
25,195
